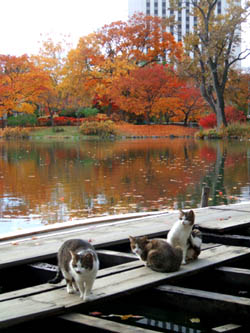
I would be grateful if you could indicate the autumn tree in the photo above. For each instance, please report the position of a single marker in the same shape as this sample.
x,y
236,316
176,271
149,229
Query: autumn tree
x,y
147,91
191,103
114,51
21,84
51,59
213,48
237,91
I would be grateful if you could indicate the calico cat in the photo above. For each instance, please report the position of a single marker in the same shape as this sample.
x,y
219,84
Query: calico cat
x,y
156,253
194,245
181,234
78,263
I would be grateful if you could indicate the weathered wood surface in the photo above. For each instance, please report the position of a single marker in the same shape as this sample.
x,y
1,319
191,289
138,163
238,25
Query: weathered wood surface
x,y
212,218
239,277
108,325
55,302
224,218
211,301
48,287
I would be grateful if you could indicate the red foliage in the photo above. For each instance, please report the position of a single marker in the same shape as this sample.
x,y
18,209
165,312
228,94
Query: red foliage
x,y
232,115
208,121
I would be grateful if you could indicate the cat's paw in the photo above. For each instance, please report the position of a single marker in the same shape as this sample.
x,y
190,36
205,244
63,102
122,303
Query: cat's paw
x,y
184,262
70,290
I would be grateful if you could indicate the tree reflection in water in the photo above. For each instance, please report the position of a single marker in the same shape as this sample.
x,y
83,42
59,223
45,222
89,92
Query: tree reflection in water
x,y
43,183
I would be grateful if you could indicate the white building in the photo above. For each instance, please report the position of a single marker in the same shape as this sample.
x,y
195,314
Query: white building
x,y
161,8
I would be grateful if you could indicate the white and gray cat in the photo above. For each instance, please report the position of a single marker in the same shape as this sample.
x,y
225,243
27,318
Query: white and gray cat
x,y
184,234
78,263
156,253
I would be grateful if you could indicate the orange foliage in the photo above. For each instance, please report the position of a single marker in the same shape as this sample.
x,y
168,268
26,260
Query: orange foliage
x,y
21,84
146,91
154,130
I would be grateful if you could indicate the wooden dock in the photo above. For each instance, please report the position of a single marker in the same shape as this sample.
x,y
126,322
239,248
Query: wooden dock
x,y
123,274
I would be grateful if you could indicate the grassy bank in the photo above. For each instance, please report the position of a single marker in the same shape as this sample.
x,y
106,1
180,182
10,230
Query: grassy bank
x,y
232,131
123,130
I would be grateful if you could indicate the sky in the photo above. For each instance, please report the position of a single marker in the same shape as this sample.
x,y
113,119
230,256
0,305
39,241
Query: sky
x,y
23,21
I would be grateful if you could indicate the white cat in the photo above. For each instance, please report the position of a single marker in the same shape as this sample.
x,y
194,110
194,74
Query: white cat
x,y
182,234
78,263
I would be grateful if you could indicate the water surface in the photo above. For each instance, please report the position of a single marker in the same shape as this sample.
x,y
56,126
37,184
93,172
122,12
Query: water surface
x,y
45,183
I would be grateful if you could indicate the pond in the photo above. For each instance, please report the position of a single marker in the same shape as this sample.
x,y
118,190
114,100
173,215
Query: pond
x,y
44,183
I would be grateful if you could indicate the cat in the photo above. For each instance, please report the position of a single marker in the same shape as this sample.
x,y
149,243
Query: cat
x,y
78,263
182,234
194,245
156,253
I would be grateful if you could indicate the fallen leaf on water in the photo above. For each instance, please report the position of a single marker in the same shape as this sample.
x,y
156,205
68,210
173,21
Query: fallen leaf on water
x,y
123,317
95,313
195,320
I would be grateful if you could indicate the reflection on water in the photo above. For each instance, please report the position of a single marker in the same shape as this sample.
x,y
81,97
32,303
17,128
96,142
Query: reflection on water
x,y
43,183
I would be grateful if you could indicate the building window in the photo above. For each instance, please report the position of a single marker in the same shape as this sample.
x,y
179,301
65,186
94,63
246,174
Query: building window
x,y
219,7
195,21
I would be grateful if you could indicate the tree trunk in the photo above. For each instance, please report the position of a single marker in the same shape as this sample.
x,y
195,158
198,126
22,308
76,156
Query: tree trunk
x,y
220,111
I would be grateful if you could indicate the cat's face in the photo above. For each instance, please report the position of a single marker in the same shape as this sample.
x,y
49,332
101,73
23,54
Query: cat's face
x,y
82,261
187,218
138,244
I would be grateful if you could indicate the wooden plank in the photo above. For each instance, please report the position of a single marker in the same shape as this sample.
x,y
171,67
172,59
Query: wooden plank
x,y
47,286
223,218
19,253
236,276
226,328
109,287
103,324
236,240
103,235
108,257
207,302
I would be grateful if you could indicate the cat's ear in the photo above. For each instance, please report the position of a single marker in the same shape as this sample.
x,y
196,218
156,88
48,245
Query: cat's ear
x,y
181,213
145,238
131,238
191,215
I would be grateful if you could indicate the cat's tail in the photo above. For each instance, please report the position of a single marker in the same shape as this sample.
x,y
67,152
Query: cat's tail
x,y
58,278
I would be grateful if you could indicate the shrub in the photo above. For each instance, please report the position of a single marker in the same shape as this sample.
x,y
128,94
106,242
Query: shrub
x,y
87,112
22,120
15,133
67,113
44,121
208,121
232,115
211,133
102,128
238,129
